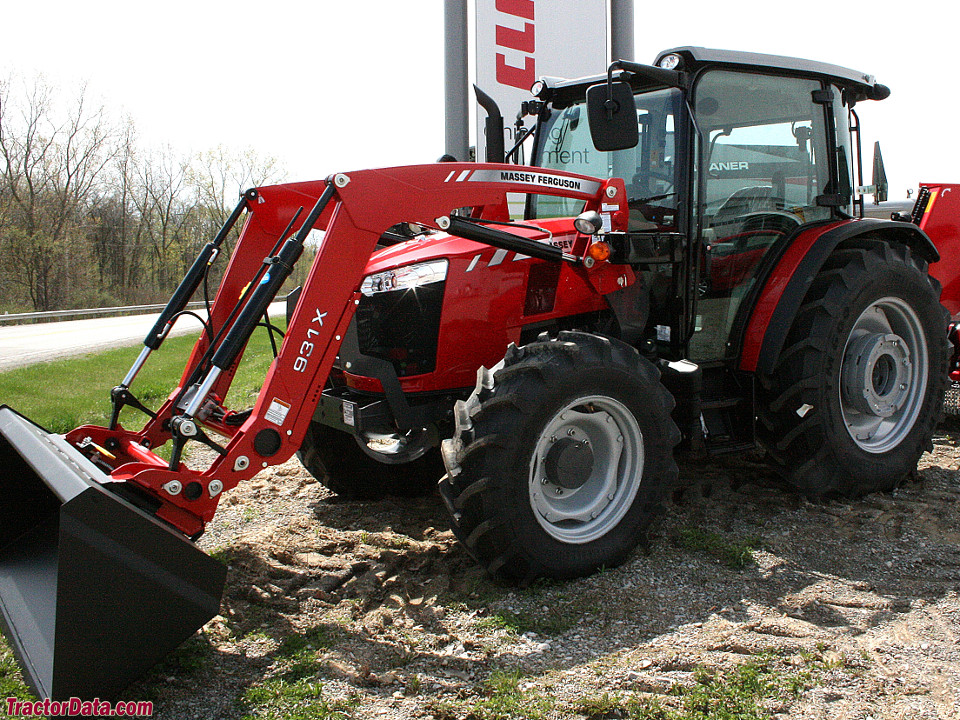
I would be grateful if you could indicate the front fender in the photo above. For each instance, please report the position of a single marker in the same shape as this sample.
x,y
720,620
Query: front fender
x,y
786,287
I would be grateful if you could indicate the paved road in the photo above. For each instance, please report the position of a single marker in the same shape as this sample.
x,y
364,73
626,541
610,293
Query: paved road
x,y
22,345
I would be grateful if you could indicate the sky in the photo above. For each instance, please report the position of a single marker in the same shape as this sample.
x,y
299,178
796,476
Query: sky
x,y
329,86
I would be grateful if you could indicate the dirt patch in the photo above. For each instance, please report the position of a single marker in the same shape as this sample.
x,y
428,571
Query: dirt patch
x,y
334,609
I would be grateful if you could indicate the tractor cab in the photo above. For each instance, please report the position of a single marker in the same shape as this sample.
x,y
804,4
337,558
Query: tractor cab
x,y
728,154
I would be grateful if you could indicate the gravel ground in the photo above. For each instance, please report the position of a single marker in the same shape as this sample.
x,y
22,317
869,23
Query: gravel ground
x,y
335,609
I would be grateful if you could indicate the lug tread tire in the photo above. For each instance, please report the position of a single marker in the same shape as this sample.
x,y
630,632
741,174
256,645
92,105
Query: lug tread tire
x,y
815,453
337,461
488,497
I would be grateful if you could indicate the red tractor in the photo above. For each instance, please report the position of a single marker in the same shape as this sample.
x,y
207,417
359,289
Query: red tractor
x,y
738,278
716,288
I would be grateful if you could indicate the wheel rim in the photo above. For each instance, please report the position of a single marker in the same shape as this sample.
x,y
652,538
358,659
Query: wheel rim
x,y
586,469
883,375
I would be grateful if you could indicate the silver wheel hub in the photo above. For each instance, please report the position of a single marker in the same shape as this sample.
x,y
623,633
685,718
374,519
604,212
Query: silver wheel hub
x,y
883,376
586,469
876,374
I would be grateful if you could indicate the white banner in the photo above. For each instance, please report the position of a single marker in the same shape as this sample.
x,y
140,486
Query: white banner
x,y
519,41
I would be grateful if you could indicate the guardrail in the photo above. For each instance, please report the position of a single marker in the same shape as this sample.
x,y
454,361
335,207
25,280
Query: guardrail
x,y
17,318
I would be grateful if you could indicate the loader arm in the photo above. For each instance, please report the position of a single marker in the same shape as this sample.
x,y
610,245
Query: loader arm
x,y
361,206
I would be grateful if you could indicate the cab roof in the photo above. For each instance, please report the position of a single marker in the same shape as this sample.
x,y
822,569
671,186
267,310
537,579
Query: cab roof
x,y
861,85
696,57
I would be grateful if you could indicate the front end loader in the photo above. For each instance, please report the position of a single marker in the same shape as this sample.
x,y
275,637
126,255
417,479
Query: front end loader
x,y
97,531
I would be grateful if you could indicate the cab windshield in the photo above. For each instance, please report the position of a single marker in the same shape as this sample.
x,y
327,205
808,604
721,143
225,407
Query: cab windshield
x,y
649,169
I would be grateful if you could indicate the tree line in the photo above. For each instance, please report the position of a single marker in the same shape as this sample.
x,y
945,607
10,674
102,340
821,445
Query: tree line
x,y
89,217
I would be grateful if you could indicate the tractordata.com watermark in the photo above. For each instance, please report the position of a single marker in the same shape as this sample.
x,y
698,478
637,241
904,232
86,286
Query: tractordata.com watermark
x,y
75,707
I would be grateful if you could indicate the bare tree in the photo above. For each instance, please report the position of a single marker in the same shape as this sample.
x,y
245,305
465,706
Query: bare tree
x,y
168,204
117,236
52,161
88,217
220,176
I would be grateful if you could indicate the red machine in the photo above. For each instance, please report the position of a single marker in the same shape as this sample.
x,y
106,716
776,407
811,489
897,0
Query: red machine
x,y
715,290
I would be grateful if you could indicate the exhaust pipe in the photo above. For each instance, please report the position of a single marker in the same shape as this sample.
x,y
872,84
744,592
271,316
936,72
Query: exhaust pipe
x,y
93,590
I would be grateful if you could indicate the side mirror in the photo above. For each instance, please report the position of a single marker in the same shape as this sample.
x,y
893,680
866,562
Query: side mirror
x,y
612,114
879,180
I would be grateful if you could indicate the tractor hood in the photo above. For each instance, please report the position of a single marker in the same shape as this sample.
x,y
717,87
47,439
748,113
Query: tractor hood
x,y
557,232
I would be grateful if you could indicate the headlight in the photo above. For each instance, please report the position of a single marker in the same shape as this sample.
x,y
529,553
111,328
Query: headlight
x,y
405,278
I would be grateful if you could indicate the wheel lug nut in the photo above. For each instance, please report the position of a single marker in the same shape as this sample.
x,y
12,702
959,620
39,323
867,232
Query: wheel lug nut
x,y
571,432
543,481
559,491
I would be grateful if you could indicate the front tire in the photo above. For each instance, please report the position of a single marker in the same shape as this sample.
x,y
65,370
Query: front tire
x,y
336,459
561,457
858,388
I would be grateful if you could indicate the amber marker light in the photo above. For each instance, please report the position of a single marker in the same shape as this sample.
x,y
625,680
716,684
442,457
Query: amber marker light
x,y
599,251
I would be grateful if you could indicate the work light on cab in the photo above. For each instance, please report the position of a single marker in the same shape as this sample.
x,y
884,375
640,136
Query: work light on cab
x,y
670,62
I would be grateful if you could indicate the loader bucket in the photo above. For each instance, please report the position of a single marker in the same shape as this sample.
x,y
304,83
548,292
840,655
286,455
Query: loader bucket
x,y
93,590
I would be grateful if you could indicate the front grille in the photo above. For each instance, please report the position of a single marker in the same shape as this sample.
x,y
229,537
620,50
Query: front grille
x,y
402,326
951,399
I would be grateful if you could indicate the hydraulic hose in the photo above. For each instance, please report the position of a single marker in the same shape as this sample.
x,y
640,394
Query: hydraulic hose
x,y
280,268
191,281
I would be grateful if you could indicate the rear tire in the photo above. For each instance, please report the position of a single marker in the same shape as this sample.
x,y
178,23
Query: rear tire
x,y
858,389
561,457
336,459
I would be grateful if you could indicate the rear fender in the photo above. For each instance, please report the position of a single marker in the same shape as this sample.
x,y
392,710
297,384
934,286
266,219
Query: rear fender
x,y
787,286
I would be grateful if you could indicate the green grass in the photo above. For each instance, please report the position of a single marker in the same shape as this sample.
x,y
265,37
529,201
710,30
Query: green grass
x,y
295,693
758,689
188,659
320,636
547,622
279,699
504,699
10,683
297,654
735,553
64,394
754,690
743,693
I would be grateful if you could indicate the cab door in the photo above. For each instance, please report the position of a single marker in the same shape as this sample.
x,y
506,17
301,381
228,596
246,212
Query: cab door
x,y
763,172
